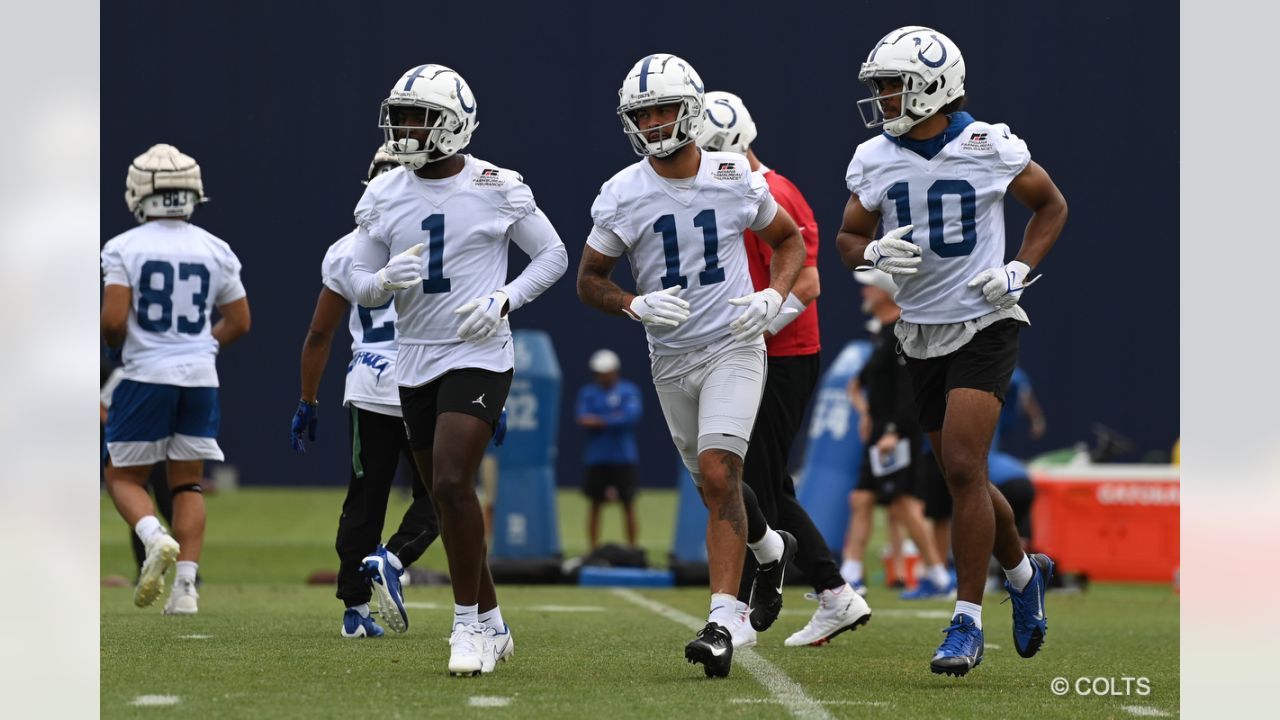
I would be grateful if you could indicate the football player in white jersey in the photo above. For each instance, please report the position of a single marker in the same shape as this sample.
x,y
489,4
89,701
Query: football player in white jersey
x,y
434,234
678,214
163,280
936,178
378,441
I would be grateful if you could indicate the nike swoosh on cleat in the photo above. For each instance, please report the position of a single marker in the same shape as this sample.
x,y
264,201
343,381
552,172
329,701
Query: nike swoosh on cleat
x,y
718,651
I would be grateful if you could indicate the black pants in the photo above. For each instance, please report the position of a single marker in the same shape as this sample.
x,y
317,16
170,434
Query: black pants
x,y
786,395
378,442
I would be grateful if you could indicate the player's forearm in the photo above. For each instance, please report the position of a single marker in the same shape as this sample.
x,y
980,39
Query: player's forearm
x,y
227,331
1042,231
788,259
113,334
807,286
315,355
603,294
852,246
543,271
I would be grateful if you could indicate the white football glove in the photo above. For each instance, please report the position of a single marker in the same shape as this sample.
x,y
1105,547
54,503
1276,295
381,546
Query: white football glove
x,y
402,271
892,254
1003,286
660,308
762,308
484,315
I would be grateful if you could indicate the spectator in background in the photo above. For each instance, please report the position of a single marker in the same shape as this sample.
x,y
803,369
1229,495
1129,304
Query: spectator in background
x,y
609,409
888,426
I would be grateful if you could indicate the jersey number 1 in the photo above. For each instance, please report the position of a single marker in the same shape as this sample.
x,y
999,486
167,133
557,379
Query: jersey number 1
x,y
435,281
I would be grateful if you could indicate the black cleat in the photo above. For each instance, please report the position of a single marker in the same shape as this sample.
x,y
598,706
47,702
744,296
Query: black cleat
x,y
766,590
713,648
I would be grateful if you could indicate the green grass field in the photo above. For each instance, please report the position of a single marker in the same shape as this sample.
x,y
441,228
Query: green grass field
x,y
266,645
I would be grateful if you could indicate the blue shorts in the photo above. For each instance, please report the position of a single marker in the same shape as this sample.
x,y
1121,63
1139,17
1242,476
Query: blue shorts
x,y
149,423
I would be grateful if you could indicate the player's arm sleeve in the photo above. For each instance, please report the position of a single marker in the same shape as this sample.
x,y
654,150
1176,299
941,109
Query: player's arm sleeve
x,y
608,237
860,183
606,242
335,272
548,259
1013,152
368,256
232,288
113,268
761,200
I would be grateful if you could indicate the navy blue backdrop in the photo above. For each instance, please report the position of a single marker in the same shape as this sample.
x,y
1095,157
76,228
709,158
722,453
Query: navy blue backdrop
x,y
278,102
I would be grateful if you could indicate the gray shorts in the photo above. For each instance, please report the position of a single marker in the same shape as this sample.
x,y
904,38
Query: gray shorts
x,y
712,403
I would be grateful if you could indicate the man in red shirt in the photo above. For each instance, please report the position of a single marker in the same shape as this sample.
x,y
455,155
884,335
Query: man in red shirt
x,y
794,365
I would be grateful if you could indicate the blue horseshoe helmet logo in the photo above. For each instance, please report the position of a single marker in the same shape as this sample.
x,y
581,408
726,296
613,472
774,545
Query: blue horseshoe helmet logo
x,y
932,63
733,119
457,83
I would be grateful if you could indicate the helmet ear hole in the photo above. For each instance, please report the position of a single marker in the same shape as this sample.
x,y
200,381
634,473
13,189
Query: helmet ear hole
x,y
933,86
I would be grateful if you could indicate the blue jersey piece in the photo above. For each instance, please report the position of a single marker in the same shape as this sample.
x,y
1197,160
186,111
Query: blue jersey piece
x,y
619,407
1011,413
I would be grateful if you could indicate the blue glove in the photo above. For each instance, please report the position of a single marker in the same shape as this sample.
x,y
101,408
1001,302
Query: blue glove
x,y
500,430
304,418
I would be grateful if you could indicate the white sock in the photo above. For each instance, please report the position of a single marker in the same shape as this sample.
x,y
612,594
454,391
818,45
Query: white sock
x,y
395,561
851,571
147,528
1020,575
939,575
186,571
362,608
493,618
723,609
972,610
769,548
465,614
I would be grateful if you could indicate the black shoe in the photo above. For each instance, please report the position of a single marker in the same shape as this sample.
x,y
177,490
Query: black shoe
x,y
766,590
713,648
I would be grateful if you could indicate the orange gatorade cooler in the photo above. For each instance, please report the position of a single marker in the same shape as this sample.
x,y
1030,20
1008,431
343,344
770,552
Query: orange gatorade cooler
x,y
1110,522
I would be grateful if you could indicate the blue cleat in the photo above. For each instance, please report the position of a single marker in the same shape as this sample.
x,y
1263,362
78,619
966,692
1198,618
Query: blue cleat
x,y
355,626
385,579
927,589
1029,622
961,651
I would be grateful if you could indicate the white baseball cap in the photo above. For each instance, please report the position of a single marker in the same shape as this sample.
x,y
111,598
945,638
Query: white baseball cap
x,y
878,279
604,361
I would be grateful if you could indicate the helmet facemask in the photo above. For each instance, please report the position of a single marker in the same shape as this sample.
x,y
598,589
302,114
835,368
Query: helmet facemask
x,y
678,133
441,125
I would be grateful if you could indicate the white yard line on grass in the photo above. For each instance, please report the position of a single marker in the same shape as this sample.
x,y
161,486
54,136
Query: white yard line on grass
x,y
786,691
194,637
155,700
1144,711
488,701
774,701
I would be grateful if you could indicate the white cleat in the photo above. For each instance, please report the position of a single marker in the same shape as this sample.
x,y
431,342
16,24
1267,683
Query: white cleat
x,y
498,646
162,553
467,650
182,601
838,610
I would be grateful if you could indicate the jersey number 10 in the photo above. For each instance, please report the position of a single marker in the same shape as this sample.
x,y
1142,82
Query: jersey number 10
x,y
900,194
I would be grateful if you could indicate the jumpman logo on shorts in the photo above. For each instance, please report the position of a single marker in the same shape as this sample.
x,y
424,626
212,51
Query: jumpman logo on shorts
x,y
480,401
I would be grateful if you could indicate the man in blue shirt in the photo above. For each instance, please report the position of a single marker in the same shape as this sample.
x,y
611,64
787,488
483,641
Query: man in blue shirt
x,y
609,408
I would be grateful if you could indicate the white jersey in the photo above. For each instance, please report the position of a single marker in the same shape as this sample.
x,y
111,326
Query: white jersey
x,y
465,222
691,237
179,273
955,201
371,374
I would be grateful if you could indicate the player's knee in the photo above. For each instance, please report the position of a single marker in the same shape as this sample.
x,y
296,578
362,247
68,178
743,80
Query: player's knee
x,y
966,471
451,490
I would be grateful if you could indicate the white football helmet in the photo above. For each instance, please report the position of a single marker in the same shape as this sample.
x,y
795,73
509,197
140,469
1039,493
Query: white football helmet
x,y
449,115
657,80
727,126
383,161
162,182
931,70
